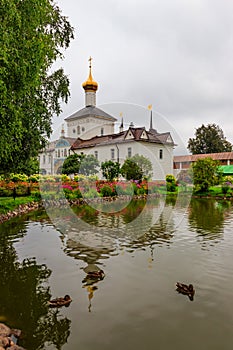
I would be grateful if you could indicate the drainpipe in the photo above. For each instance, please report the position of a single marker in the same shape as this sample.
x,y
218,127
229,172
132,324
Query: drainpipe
x,y
118,158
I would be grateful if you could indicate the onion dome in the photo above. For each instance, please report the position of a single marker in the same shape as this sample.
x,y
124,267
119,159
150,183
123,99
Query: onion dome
x,y
90,84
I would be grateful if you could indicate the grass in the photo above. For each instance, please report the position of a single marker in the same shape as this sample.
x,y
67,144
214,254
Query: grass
x,y
8,203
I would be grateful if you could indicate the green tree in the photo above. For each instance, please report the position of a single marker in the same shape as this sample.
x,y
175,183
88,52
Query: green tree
x,y
110,170
71,164
32,37
88,165
209,139
131,171
80,164
144,164
206,173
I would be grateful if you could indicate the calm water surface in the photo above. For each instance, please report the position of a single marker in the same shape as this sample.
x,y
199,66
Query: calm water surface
x,y
144,249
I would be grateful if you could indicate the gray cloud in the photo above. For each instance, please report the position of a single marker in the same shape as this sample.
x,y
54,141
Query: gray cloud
x,y
174,54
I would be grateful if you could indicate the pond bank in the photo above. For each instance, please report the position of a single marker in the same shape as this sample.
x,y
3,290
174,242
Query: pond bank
x,y
22,209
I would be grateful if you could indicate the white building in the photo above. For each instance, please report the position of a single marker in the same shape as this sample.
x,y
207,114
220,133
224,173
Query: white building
x,y
91,131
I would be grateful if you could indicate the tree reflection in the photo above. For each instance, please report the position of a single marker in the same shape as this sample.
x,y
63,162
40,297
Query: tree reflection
x,y
206,218
24,295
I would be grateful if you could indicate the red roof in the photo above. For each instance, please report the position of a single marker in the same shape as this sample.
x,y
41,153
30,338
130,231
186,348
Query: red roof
x,y
195,157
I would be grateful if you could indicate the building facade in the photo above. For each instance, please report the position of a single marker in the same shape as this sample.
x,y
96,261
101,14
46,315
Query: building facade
x,y
91,131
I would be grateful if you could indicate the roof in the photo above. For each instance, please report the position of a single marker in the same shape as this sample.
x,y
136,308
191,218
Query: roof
x,y
51,145
195,157
136,134
91,111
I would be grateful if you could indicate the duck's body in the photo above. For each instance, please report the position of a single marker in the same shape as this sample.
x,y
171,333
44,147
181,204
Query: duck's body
x,y
59,302
185,289
96,274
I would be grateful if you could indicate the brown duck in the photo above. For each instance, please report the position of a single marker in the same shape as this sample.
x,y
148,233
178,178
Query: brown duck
x,y
59,302
185,289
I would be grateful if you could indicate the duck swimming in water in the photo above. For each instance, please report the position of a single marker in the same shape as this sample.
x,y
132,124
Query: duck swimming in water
x,y
185,289
59,302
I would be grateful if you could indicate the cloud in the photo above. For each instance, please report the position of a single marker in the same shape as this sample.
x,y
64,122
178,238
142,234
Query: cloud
x,y
174,54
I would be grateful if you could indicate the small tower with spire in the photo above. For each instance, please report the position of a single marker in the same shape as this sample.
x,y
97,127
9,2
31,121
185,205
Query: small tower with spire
x,y
62,131
122,124
90,86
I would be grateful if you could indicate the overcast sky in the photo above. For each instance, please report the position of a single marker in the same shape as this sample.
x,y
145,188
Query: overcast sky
x,y
174,54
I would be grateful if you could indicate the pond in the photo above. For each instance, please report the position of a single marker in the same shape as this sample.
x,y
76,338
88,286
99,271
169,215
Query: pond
x,y
143,248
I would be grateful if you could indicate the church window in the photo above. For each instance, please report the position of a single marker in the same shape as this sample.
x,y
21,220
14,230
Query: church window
x,y
129,152
102,131
96,154
65,152
62,152
58,154
160,154
112,153
78,129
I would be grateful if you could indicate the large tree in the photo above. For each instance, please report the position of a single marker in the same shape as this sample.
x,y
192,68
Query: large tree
x,y
33,35
206,173
209,139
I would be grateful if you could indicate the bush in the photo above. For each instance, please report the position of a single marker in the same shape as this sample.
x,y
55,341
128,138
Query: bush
x,y
171,183
107,191
18,177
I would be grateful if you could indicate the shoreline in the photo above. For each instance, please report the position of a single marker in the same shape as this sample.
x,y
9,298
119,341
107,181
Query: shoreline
x,y
31,206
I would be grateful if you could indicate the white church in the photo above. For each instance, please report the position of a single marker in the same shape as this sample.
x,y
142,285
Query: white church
x,y
90,130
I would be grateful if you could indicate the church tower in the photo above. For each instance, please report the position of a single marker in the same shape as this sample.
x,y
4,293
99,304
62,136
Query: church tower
x,y
90,86
90,121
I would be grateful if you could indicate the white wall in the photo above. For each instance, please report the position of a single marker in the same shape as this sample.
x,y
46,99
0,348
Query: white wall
x,y
161,167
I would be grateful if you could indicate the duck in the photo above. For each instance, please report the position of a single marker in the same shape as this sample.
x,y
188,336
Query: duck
x,y
96,274
59,302
185,289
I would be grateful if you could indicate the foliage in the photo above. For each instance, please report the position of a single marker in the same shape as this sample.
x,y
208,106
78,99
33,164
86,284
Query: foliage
x,y
110,170
18,177
107,191
80,164
32,38
131,170
144,164
171,183
206,173
71,164
89,165
209,139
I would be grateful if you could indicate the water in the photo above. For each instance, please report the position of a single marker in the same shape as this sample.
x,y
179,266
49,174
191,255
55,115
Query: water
x,y
144,249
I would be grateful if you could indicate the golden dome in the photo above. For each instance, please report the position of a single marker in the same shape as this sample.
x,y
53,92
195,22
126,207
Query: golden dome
x,y
90,84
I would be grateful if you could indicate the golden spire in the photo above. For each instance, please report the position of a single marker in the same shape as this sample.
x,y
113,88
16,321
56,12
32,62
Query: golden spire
x,y
90,84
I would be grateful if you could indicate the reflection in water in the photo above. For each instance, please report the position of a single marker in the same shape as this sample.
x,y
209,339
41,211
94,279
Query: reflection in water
x,y
207,219
110,237
135,289
24,296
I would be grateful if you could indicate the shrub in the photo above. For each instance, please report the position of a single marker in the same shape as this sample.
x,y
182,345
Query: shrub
x,y
171,183
107,191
